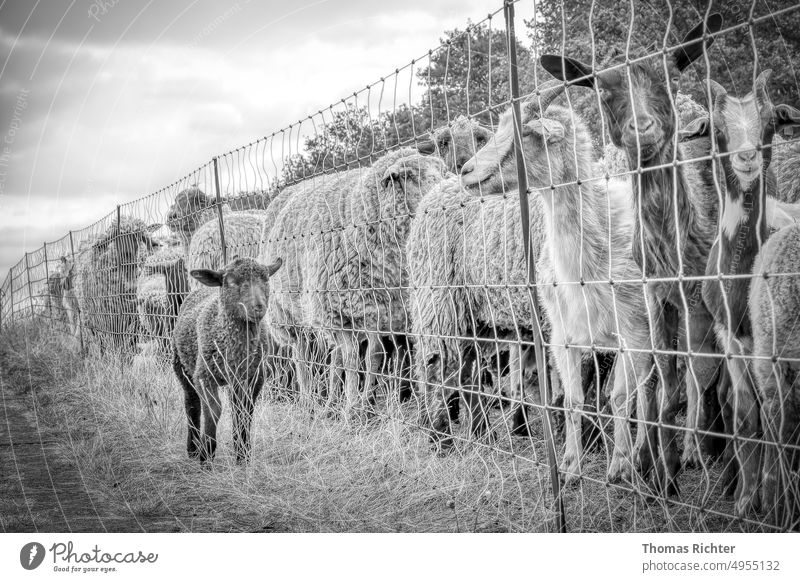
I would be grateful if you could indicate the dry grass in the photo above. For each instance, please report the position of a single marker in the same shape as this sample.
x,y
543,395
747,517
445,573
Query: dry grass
x,y
123,424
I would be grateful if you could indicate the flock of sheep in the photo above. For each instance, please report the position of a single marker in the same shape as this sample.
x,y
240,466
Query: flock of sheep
x,y
650,260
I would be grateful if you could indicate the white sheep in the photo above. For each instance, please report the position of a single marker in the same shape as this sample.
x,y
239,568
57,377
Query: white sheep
x,y
456,142
344,280
106,269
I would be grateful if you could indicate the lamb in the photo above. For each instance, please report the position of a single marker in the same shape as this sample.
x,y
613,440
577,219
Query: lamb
x,y
742,126
220,339
456,142
345,279
645,127
106,269
588,230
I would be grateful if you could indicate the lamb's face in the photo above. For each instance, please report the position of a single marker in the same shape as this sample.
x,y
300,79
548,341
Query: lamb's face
x,y
456,144
244,283
186,213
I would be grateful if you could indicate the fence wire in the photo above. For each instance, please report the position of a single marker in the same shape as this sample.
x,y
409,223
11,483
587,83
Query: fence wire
x,y
563,259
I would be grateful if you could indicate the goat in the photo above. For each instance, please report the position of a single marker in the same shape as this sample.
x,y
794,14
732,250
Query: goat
x,y
673,233
588,234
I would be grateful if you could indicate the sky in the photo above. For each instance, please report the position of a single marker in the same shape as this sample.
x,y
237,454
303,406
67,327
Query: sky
x,y
106,101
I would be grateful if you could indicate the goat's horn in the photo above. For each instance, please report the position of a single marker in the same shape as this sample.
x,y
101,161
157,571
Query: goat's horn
x,y
548,92
716,88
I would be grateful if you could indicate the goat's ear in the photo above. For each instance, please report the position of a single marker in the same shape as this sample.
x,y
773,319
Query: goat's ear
x,y
787,120
550,129
208,277
700,127
693,41
399,172
426,146
568,69
273,268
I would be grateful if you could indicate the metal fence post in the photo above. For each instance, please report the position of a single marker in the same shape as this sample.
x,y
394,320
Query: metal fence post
x,y
30,287
219,215
538,338
76,310
47,283
120,270
11,291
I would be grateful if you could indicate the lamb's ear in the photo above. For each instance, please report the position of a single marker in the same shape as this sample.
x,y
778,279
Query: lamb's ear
x,y
426,146
700,127
399,172
568,69
550,129
787,120
273,268
208,277
693,41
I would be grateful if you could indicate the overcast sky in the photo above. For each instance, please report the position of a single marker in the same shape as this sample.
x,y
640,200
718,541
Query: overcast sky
x,y
103,102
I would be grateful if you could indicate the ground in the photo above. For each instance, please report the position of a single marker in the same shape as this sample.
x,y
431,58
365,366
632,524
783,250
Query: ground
x,y
97,443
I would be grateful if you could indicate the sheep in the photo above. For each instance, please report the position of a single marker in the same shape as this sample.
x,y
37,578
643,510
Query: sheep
x,y
190,210
774,304
106,269
69,301
743,126
645,128
244,232
456,142
345,279
53,298
152,299
786,162
588,230
220,339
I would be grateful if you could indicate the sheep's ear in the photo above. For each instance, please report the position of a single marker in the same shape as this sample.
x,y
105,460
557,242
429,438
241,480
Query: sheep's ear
x,y
550,129
208,277
273,268
568,69
699,127
426,146
693,41
398,173
787,120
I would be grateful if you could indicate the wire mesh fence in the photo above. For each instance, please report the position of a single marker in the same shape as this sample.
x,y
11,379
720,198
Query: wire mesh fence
x,y
565,261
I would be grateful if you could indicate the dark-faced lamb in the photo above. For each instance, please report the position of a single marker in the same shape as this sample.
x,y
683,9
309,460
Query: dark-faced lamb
x,y
674,228
221,339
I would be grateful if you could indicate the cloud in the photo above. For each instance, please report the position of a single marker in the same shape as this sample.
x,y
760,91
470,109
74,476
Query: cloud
x,y
117,109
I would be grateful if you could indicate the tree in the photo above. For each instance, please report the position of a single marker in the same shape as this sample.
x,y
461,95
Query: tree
x,y
564,26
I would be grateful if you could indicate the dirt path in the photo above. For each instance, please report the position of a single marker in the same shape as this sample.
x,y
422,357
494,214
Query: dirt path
x,y
41,490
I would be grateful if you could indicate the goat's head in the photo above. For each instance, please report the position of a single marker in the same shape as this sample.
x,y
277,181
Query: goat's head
x,y
553,139
637,98
186,213
457,142
244,287
743,125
